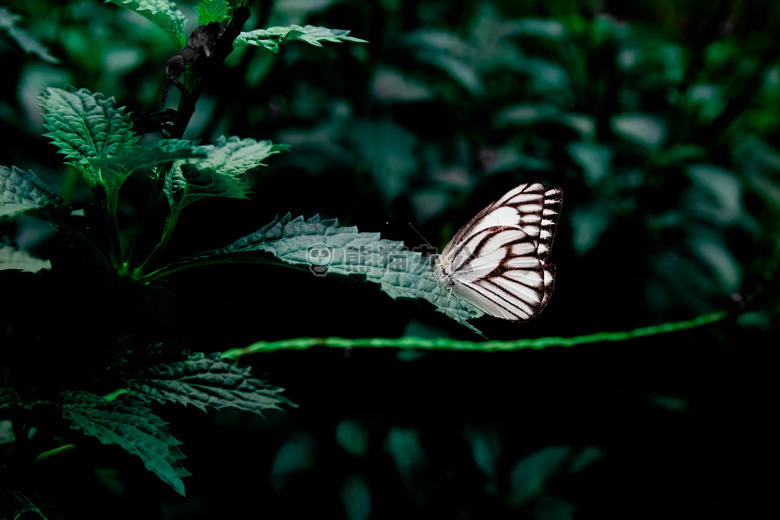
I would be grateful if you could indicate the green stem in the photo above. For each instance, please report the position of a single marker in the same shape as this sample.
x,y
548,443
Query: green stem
x,y
152,203
54,451
116,393
111,203
187,102
170,226
481,346
170,269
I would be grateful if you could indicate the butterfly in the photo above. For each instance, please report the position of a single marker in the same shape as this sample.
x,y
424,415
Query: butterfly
x,y
498,260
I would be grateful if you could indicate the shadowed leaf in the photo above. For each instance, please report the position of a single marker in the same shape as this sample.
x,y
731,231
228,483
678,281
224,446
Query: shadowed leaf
x,y
132,427
207,381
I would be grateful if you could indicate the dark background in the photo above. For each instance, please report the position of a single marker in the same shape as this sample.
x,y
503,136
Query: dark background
x,y
659,122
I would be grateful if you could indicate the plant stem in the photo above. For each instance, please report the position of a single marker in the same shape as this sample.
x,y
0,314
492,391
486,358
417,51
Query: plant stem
x,y
152,203
170,226
187,102
481,346
222,49
170,269
113,231
54,451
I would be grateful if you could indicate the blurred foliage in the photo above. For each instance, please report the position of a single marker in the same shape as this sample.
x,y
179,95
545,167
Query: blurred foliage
x,y
658,120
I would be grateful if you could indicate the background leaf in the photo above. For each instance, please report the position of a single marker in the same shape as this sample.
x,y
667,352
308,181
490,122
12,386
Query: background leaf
x,y
26,41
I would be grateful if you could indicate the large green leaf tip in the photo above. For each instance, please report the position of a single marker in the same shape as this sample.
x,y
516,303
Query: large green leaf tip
x,y
273,37
132,427
23,192
162,13
400,273
206,380
86,126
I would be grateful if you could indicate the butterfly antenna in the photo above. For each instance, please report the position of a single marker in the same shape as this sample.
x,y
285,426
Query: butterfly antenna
x,y
420,235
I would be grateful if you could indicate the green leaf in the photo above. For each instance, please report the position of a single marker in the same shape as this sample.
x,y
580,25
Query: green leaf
x,y
115,169
273,37
537,27
453,55
85,126
356,497
399,273
207,380
162,13
23,192
391,150
131,426
12,258
718,196
531,474
25,40
212,11
640,129
221,174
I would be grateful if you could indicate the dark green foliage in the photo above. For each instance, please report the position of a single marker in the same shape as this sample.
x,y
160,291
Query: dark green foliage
x,y
98,141
657,119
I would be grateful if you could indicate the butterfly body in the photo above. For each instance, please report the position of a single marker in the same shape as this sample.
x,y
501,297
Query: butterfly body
x,y
498,260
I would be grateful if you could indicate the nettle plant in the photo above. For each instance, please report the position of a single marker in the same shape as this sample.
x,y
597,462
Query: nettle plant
x,y
103,388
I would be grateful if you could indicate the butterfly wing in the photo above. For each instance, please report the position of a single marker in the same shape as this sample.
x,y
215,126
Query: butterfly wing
x,y
498,260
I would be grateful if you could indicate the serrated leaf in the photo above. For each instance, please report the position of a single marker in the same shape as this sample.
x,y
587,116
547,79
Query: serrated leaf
x,y
23,192
115,169
25,40
212,11
86,126
400,273
207,381
221,174
131,426
12,258
273,37
162,13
